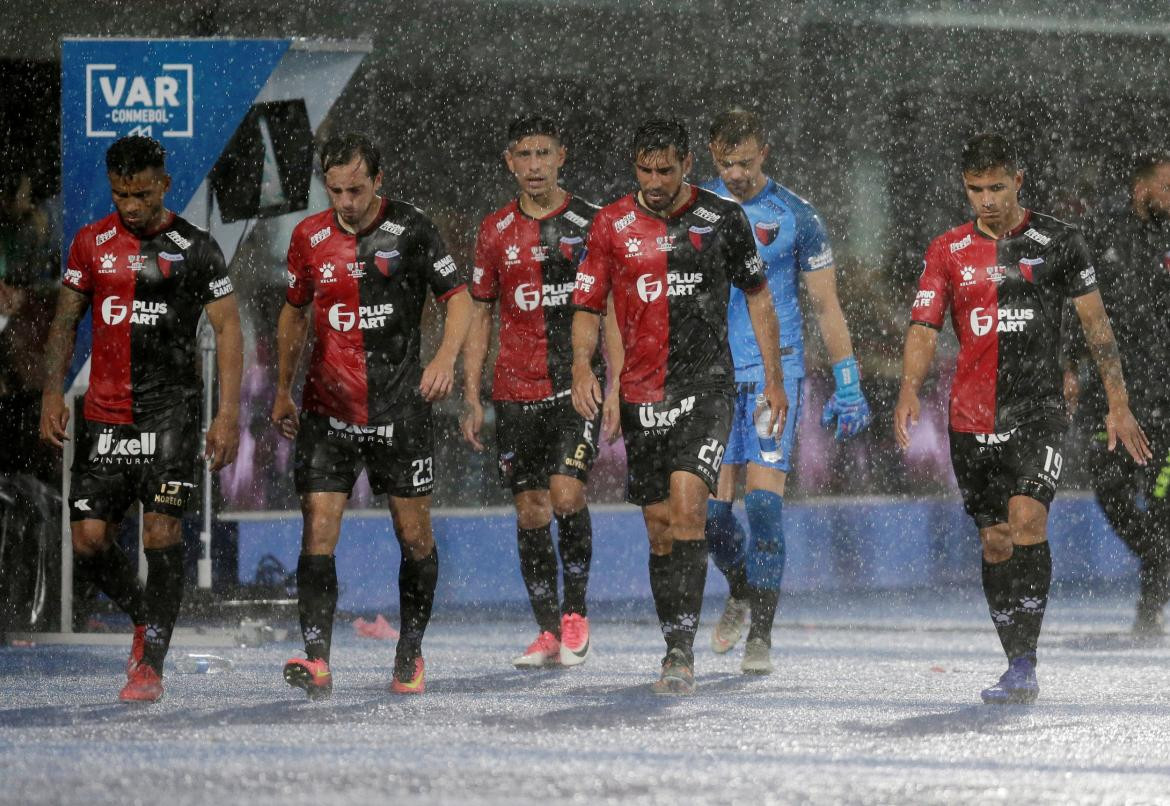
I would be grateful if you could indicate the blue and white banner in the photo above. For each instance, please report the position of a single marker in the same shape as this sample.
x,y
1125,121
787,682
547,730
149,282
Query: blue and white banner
x,y
190,95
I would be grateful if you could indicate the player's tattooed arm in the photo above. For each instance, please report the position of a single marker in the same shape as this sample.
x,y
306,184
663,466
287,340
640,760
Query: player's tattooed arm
x,y
438,376
917,356
71,306
474,354
586,390
223,435
1119,422
292,327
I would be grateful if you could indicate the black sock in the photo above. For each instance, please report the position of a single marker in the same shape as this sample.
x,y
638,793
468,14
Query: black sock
x,y
161,601
660,568
737,583
316,602
538,566
688,579
575,540
416,596
763,614
1033,577
997,589
110,570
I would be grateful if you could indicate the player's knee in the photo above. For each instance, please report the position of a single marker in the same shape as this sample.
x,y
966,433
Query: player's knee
x,y
533,512
567,500
88,541
997,543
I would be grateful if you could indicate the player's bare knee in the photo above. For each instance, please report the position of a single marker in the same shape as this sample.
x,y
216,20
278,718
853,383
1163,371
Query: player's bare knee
x,y
997,543
90,538
567,499
533,510
161,531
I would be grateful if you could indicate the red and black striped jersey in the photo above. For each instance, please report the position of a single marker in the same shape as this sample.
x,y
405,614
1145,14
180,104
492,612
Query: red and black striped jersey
x,y
146,296
1007,300
670,282
530,266
368,292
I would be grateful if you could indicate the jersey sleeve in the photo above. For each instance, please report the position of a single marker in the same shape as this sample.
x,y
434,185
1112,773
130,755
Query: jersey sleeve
x,y
485,277
745,269
813,251
213,282
934,290
78,267
595,269
442,275
1080,277
300,273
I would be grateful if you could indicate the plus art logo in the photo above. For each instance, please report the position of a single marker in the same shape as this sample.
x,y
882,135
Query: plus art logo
x,y
156,101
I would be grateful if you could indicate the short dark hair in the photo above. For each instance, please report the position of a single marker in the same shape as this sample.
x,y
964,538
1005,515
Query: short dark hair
x,y
342,150
735,126
988,150
1147,164
531,126
660,134
135,154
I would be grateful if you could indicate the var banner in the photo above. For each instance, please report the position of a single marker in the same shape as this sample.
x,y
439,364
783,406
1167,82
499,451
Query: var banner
x,y
192,96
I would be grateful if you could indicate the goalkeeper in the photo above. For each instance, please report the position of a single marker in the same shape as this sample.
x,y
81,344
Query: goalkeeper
x,y
792,242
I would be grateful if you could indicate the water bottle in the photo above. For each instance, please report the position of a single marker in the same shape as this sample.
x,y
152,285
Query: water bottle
x,y
769,444
201,664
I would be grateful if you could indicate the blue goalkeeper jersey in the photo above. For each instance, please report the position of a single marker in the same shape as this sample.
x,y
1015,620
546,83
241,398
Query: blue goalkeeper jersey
x,y
791,239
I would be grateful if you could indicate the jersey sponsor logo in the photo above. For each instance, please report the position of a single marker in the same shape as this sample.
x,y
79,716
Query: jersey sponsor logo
x,y
1028,265
538,253
664,243
700,236
108,260
476,275
624,221
654,415
137,262
387,261
571,247
73,277
529,296
356,269
962,243
166,261
924,299
505,222
511,254
682,284
292,279
368,317
766,232
385,432
707,215
220,287
1038,237
968,275
1089,276
319,236
996,274
573,218
633,247
179,240
821,260
584,282
126,449
121,102
994,439
326,270
754,265
649,288
392,228
1005,320
105,236
82,505
445,266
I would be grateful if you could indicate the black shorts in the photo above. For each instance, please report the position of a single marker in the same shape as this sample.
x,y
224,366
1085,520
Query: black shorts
x,y
330,454
687,433
154,461
992,468
537,440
